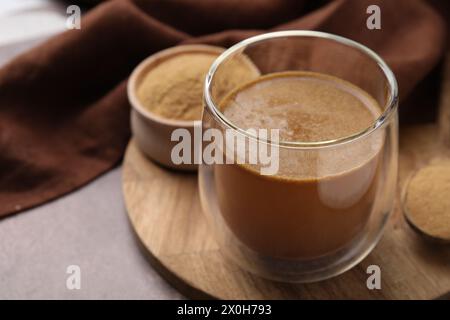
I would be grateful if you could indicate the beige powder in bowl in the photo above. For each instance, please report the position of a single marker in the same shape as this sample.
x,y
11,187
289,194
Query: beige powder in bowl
x,y
174,88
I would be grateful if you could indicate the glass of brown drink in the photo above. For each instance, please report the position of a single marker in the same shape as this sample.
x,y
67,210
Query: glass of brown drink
x,y
333,103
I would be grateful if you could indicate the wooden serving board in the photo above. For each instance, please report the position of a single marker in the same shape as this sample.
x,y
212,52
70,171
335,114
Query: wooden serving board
x,y
164,210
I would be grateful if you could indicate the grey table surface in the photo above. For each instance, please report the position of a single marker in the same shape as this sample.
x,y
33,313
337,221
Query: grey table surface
x,y
88,228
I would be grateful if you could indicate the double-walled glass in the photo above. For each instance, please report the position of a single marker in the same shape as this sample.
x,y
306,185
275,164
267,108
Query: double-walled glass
x,y
331,210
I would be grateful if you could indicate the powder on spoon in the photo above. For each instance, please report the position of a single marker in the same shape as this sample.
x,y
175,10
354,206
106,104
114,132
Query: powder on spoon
x,y
174,88
427,201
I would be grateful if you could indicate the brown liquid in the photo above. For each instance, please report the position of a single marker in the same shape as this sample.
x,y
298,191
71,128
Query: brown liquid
x,y
320,199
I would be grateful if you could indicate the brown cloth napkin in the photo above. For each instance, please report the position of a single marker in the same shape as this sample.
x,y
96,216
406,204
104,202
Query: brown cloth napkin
x,y
64,115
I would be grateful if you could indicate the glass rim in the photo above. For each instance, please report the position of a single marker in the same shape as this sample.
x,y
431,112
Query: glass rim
x,y
390,105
